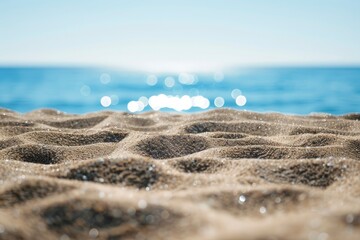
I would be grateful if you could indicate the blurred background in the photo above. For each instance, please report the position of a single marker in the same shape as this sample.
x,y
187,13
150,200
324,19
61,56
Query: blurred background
x,y
80,56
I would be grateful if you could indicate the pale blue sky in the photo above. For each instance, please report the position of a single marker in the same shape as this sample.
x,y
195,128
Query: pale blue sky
x,y
181,35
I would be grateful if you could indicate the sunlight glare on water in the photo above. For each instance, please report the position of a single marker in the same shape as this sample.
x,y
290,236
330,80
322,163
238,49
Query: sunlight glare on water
x,y
177,101
144,100
187,79
80,90
136,106
105,101
183,103
241,100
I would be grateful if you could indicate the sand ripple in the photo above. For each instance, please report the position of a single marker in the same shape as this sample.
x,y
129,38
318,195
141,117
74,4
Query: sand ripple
x,y
222,174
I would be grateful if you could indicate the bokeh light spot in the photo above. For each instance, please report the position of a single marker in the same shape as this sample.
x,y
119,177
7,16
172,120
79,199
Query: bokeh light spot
x,y
105,78
241,100
235,93
169,82
177,103
144,100
219,102
105,101
151,80
200,101
187,79
133,106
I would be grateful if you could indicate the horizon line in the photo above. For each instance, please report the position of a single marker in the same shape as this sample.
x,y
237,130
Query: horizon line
x,y
224,69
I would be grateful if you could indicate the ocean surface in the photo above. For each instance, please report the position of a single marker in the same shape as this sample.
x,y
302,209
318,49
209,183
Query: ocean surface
x,y
80,90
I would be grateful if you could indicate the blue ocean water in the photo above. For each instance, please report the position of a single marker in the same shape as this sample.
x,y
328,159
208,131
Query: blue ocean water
x,y
80,90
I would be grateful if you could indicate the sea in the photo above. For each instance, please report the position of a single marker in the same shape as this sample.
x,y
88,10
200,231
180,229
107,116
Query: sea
x,y
291,90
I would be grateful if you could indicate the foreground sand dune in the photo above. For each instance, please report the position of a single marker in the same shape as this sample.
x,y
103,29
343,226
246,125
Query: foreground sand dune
x,y
221,174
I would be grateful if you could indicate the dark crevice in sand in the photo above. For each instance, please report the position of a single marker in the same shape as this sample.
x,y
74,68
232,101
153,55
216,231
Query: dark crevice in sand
x,y
13,235
275,152
198,165
9,143
77,217
131,172
314,174
30,189
352,116
316,140
351,219
31,153
228,135
171,146
353,147
16,124
140,122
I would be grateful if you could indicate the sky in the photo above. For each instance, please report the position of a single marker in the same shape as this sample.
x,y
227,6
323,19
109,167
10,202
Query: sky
x,y
173,35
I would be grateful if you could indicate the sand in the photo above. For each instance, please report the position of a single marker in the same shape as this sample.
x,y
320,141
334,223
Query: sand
x,y
221,174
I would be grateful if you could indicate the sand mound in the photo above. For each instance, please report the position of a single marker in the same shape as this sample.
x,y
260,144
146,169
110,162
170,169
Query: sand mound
x,y
221,174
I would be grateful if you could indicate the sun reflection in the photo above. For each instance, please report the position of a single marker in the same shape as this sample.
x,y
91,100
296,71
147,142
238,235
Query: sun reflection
x,y
181,94
105,101
133,106
200,101
144,100
241,100
187,79
161,101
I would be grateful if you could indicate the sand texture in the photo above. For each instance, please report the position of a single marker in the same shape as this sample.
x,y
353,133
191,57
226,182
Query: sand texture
x,y
222,174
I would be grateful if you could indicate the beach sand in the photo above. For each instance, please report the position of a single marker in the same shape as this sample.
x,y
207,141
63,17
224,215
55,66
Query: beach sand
x,y
221,174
